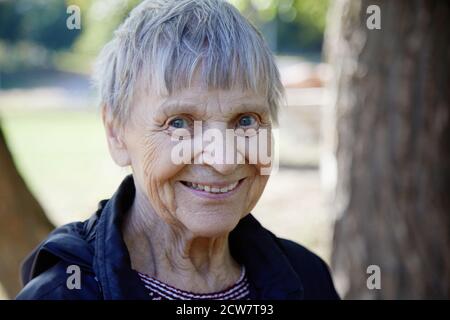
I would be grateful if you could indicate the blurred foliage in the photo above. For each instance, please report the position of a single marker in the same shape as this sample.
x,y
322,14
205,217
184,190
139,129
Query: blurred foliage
x,y
101,19
33,33
39,21
299,24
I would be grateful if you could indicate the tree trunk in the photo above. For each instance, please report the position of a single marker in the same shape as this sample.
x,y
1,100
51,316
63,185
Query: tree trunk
x,y
23,223
392,144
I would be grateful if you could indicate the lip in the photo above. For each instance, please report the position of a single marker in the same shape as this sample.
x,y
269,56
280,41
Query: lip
x,y
214,196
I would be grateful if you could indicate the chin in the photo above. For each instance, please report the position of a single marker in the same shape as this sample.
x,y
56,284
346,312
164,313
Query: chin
x,y
211,224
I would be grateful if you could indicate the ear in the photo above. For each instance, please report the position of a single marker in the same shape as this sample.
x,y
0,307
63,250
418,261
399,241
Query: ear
x,y
116,145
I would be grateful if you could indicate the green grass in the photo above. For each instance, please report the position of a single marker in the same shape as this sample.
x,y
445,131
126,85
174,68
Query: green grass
x,y
64,159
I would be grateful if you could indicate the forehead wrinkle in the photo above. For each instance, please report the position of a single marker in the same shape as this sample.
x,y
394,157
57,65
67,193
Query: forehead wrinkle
x,y
251,107
231,101
243,107
178,106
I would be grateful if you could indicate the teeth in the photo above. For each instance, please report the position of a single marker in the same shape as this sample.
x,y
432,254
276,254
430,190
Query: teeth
x,y
211,189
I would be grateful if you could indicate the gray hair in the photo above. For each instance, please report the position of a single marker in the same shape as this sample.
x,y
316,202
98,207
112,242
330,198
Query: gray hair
x,y
163,43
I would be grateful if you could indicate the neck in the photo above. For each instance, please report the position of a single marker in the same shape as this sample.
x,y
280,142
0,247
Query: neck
x,y
175,255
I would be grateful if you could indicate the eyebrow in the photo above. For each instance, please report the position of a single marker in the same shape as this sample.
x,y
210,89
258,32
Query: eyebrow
x,y
177,107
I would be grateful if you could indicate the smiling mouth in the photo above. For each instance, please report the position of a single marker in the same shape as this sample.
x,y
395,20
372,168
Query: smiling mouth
x,y
214,189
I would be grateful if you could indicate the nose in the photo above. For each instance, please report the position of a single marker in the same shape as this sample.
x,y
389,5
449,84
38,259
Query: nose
x,y
219,150
223,169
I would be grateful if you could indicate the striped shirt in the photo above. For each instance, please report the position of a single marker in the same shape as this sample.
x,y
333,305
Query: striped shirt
x,y
158,290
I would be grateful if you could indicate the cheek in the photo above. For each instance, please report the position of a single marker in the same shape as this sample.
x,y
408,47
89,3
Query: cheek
x,y
255,191
154,168
258,150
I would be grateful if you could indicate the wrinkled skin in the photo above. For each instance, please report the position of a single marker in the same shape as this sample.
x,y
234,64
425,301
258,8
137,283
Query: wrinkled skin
x,y
172,233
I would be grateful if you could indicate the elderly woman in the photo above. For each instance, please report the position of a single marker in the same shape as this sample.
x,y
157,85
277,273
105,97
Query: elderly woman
x,y
181,229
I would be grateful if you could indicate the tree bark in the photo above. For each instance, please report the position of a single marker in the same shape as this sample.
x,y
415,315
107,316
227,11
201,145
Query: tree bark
x,y
390,100
23,223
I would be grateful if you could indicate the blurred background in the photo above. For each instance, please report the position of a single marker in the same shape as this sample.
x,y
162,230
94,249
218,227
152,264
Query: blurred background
x,y
334,167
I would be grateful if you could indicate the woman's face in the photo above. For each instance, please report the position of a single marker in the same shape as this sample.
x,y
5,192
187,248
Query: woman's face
x,y
206,196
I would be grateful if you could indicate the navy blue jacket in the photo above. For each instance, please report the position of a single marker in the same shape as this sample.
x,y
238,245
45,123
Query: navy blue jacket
x,y
276,268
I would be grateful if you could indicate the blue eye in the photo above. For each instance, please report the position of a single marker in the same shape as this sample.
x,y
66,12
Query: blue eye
x,y
247,121
179,123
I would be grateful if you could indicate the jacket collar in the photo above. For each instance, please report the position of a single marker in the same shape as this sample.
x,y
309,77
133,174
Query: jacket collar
x,y
268,269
